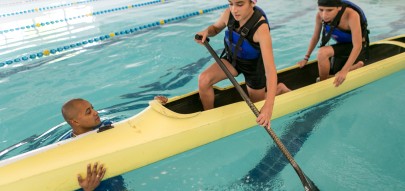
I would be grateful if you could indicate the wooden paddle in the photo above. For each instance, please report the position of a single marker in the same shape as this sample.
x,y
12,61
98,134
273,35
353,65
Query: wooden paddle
x,y
307,183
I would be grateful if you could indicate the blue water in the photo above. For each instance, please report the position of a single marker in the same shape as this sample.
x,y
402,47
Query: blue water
x,y
352,142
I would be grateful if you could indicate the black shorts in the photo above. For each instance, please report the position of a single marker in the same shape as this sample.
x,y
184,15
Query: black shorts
x,y
341,54
253,71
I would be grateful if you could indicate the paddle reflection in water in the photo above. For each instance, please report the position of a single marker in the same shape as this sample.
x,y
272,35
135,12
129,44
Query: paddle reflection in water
x,y
295,134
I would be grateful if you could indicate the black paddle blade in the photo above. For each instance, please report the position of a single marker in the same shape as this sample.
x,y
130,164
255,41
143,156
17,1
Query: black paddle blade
x,y
310,185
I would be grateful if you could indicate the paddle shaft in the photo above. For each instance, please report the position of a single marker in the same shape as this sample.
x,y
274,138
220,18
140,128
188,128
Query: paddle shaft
x,y
308,184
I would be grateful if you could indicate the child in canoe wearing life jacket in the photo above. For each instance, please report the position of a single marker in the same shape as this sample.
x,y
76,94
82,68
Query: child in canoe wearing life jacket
x,y
82,118
248,50
346,23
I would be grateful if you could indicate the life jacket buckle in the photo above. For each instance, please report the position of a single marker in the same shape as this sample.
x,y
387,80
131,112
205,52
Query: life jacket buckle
x,y
244,32
230,25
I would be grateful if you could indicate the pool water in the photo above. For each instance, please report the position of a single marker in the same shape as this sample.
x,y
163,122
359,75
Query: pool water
x,y
352,142
347,143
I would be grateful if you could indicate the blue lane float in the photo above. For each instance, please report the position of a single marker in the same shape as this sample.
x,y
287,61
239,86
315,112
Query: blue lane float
x,y
60,49
36,25
33,10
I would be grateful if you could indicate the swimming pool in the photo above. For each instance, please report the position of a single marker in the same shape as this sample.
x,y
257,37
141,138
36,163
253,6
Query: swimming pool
x,y
345,149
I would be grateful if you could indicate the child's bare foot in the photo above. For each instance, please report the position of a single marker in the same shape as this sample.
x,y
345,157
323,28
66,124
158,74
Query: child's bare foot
x,y
358,65
282,88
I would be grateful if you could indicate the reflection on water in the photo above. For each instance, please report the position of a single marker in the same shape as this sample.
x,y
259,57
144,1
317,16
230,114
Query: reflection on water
x,y
140,99
55,28
299,127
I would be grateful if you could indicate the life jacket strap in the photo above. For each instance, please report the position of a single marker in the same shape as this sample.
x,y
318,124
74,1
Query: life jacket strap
x,y
244,32
326,37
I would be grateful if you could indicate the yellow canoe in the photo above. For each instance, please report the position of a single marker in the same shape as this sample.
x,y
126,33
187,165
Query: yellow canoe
x,y
161,131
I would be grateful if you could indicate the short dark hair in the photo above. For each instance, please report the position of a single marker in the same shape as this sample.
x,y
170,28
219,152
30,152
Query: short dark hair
x,y
330,3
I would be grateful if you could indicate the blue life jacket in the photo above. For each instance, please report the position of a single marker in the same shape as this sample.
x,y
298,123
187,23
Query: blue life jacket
x,y
342,36
241,42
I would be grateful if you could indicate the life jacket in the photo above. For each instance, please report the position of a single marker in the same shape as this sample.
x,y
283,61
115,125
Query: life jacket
x,y
340,36
240,46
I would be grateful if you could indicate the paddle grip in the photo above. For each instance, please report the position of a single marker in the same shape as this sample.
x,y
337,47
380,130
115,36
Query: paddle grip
x,y
199,37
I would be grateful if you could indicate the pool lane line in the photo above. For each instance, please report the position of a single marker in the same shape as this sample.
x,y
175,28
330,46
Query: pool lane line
x,y
36,9
21,2
43,24
48,52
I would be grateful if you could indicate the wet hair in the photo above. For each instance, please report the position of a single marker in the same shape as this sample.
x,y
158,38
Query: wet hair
x,y
329,3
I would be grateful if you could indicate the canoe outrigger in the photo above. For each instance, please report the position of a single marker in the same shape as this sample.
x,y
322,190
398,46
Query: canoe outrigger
x,y
161,131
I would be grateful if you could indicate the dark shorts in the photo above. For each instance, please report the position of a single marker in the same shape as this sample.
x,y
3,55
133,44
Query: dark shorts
x,y
341,54
253,71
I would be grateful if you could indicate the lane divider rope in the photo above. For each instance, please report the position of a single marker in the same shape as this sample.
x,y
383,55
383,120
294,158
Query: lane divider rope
x,y
48,52
20,2
36,9
42,24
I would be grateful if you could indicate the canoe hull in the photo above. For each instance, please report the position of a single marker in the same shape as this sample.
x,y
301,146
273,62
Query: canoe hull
x,y
157,133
